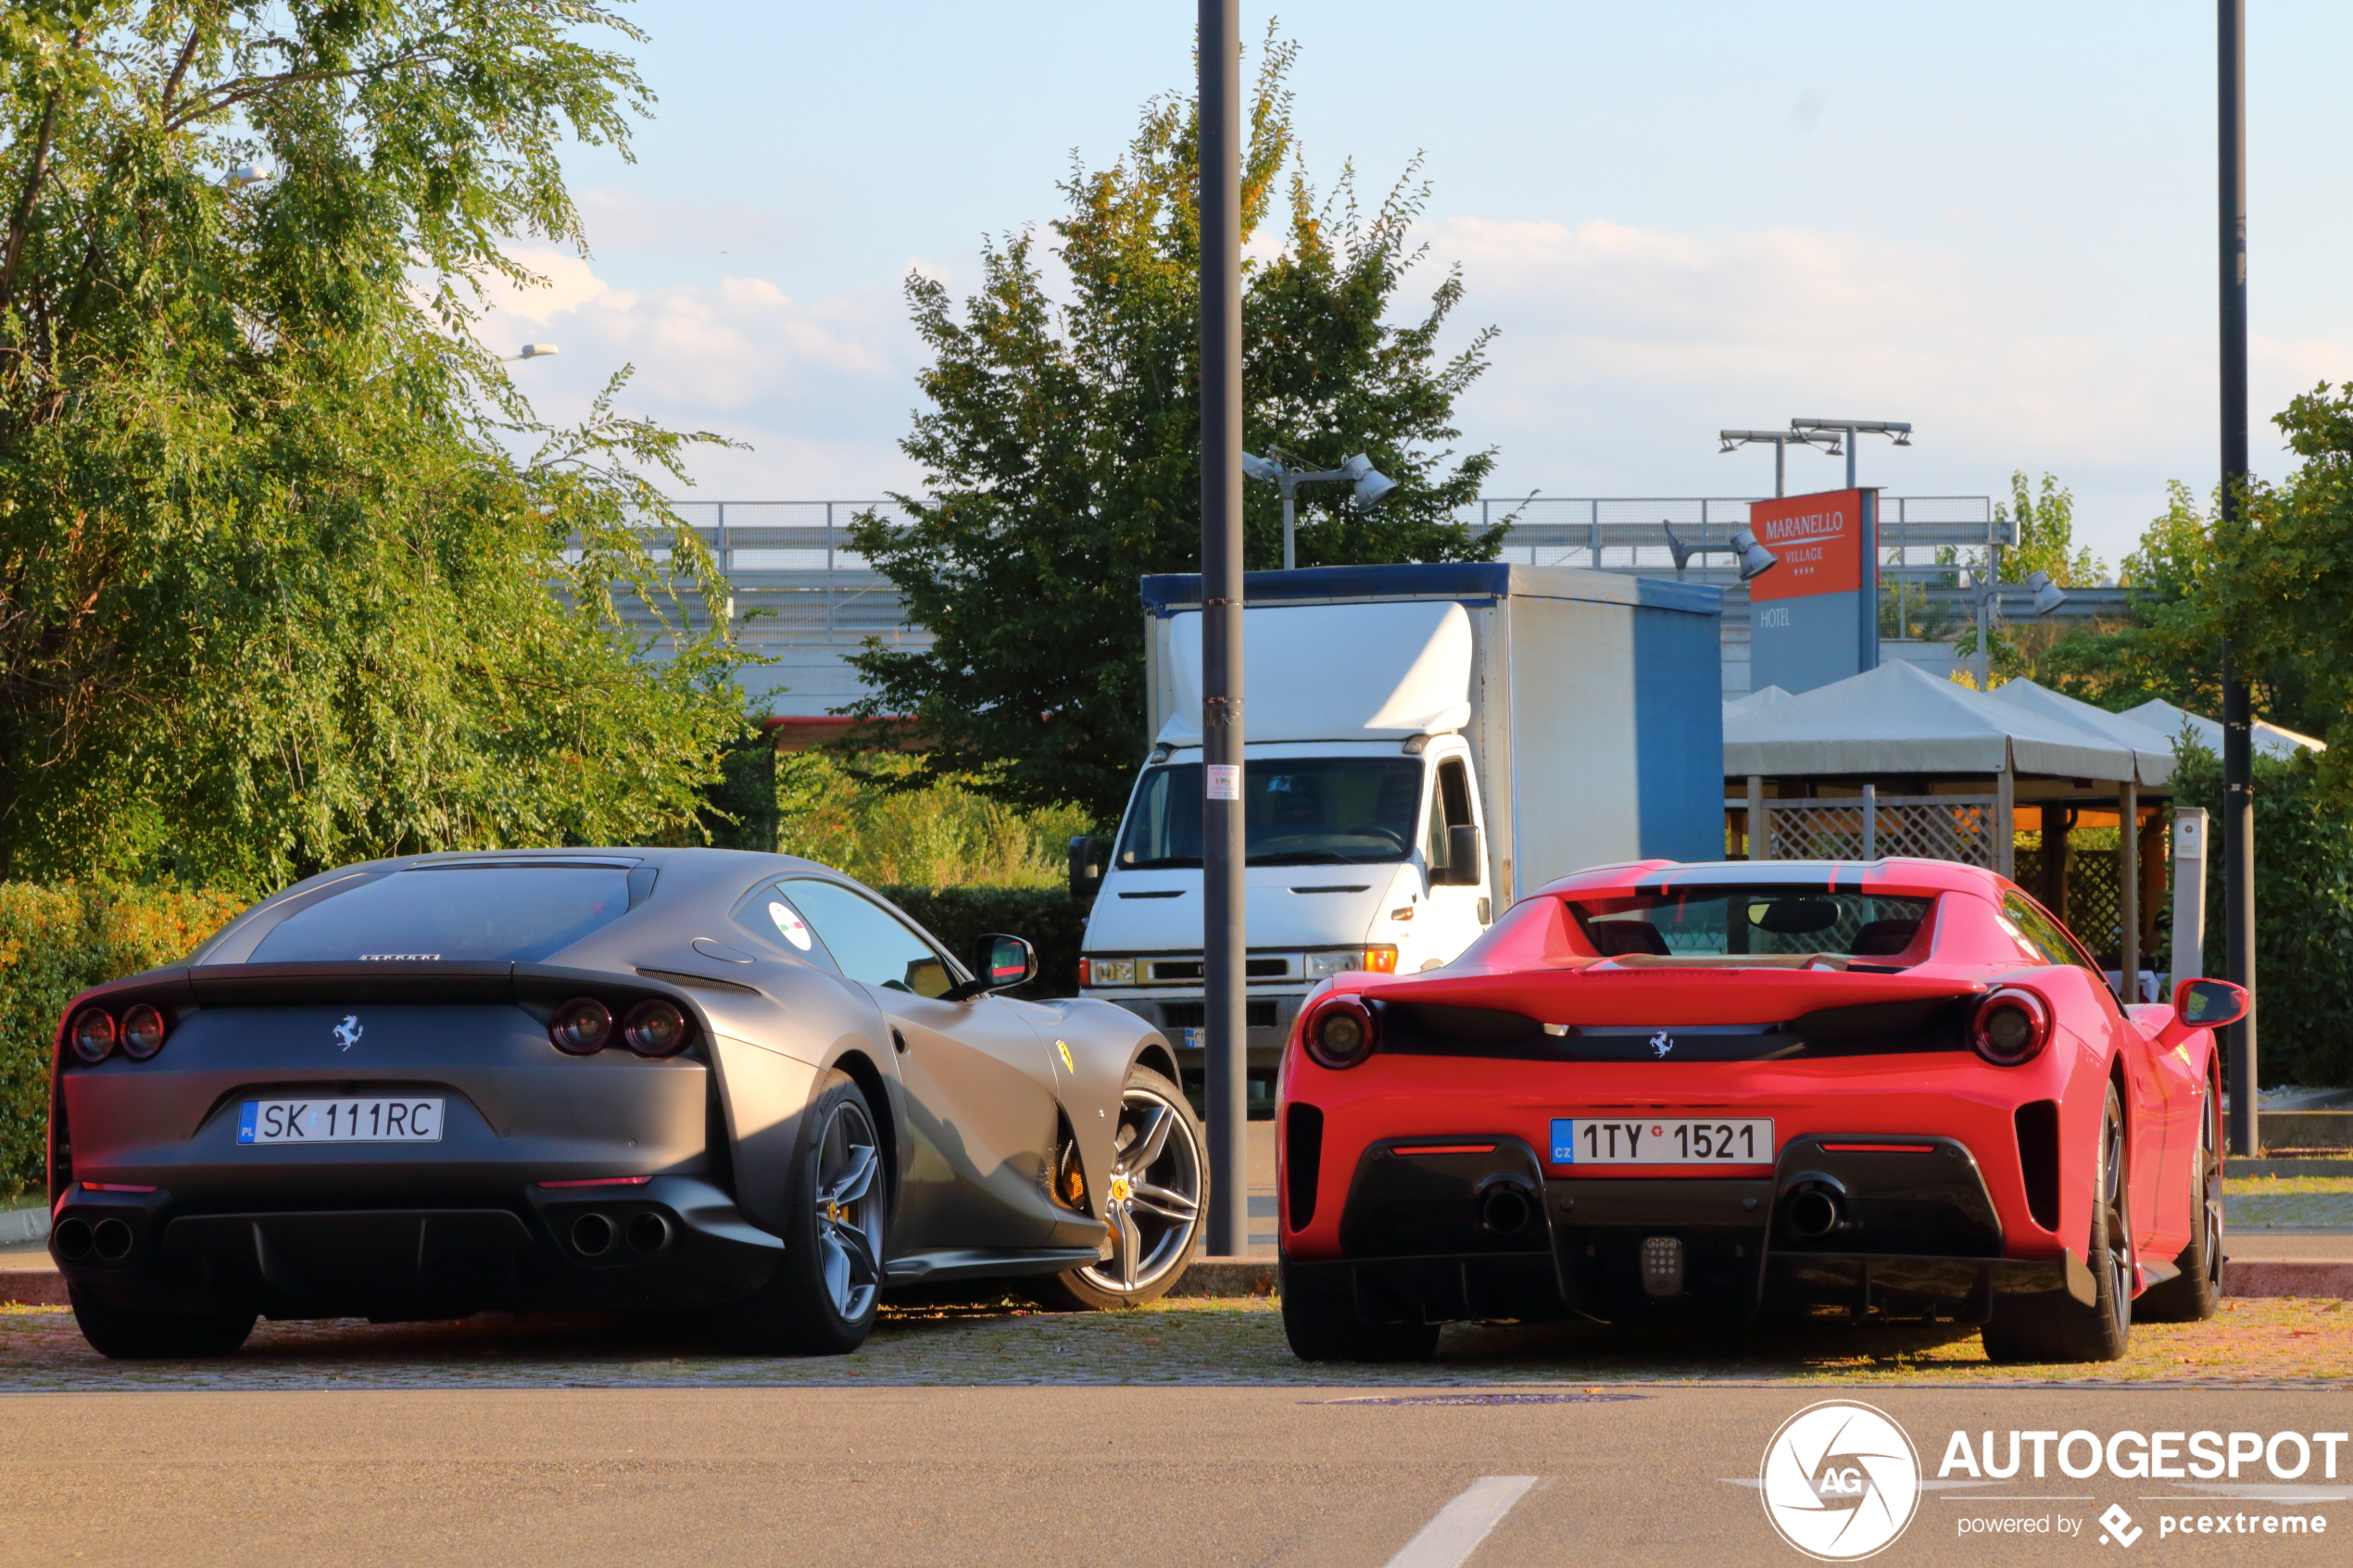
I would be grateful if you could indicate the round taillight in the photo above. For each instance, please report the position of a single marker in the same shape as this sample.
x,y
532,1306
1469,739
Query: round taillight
x,y
143,1032
93,1034
2011,1027
655,1028
581,1026
1340,1033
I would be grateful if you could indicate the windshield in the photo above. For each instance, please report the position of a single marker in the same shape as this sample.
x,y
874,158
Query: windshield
x,y
1717,921
1303,811
518,913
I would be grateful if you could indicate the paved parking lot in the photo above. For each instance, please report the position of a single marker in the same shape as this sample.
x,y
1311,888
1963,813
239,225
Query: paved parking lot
x,y
1200,1341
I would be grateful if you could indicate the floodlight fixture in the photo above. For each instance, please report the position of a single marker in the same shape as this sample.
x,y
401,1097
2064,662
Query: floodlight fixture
x,y
1754,559
244,174
1368,486
2048,595
532,351
1901,430
1779,440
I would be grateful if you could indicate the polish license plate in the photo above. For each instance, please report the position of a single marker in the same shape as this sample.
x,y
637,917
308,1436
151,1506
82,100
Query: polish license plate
x,y
1663,1140
339,1120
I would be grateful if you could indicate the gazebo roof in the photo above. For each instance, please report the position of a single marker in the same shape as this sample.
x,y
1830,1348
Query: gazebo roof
x,y
2152,751
2270,739
1898,719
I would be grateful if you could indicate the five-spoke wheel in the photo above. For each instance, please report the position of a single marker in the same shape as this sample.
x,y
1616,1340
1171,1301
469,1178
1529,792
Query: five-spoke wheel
x,y
1152,1200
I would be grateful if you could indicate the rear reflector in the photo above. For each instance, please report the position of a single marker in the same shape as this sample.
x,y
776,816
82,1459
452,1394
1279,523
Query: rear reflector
x,y
602,1182
112,1186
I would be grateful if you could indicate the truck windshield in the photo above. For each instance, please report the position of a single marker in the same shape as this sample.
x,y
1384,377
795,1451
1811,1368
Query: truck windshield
x,y
1722,921
1301,811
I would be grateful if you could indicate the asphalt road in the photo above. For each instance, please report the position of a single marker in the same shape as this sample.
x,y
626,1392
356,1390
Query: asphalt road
x,y
1031,1476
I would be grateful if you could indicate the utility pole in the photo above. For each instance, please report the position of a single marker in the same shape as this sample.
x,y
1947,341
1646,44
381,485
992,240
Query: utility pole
x,y
2238,763
1224,1038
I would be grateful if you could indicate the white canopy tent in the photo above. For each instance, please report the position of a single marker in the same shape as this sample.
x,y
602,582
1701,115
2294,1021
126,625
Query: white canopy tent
x,y
1949,742
2270,739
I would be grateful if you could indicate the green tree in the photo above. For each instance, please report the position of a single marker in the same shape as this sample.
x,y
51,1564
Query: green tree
x,y
1061,446
276,590
2047,536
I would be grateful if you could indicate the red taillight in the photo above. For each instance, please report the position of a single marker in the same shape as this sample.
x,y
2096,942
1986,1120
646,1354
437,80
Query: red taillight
x,y
1342,1032
142,1031
581,1027
655,1028
93,1034
2011,1027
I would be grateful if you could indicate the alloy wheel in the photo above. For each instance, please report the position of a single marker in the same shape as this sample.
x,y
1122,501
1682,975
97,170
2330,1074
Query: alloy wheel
x,y
2115,1201
1153,1200
849,1209
2210,1177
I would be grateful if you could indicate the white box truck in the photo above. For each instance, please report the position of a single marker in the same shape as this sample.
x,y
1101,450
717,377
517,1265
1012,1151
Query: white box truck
x,y
1423,743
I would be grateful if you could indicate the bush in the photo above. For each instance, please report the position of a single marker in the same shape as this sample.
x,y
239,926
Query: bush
x,y
2303,913
55,942
1050,918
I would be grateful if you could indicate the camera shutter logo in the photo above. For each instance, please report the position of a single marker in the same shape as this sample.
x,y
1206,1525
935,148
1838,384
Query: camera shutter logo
x,y
1841,1481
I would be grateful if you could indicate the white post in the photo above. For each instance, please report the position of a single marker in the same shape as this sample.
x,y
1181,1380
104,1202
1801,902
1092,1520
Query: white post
x,y
2189,893
1871,822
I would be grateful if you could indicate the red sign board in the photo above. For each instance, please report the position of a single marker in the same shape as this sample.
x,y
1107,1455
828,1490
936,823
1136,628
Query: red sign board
x,y
1820,540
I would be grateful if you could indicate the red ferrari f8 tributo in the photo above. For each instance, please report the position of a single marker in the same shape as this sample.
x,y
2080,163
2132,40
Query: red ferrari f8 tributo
x,y
1662,1091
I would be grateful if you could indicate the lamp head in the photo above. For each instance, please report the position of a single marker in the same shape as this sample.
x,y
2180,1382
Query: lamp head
x,y
1372,486
1256,466
245,174
2048,595
537,350
1756,559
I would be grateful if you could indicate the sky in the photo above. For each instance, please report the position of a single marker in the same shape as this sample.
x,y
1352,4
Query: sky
x,y
1995,221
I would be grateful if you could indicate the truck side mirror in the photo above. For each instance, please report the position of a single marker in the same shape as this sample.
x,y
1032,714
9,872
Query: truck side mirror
x,y
998,963
1462,859
1086,868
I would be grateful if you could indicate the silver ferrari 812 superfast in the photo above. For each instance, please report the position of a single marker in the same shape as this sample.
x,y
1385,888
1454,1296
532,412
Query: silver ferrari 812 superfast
x,y
643,1079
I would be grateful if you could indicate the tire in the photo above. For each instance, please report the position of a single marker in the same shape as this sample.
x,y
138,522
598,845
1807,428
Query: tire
x,y
2192,1295
2052,1326
128,1334
1159,1186
823,1297
1320,1322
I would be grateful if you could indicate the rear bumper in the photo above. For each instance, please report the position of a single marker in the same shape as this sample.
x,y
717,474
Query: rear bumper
x,y
674,1242
1478,1232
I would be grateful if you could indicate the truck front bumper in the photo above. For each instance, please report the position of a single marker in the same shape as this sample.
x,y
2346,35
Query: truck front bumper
x,y
1179,1015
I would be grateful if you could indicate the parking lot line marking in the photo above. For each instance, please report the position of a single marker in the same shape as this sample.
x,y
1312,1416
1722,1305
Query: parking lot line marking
x,y
1448,1540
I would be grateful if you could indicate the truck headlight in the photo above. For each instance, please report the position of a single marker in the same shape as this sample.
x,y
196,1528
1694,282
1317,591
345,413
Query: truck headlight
x,y
1106,972
1379,958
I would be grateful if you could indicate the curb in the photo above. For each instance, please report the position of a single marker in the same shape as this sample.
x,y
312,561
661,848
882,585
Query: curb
x,y
20,1225
2287,1276
33,1288
1225,1277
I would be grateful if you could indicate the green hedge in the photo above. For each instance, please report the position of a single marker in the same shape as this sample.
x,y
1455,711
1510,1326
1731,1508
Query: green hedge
x,y
53,942
1049,918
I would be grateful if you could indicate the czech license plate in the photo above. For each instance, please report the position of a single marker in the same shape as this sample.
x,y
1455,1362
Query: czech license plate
x,y
1663,1140
340,1120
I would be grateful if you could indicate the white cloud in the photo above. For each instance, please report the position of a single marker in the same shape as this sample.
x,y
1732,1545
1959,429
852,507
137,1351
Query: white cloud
x,y
1624,350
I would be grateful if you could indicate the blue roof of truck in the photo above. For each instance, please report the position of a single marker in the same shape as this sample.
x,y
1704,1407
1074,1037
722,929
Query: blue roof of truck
x,y
1484,581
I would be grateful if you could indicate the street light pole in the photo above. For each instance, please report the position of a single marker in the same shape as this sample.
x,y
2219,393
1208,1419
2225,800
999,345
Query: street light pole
x,y
1224,1039
2238,763
1370,485
1901,430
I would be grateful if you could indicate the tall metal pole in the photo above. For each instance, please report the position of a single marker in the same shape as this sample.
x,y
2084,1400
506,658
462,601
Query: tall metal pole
x,y
1221,625
2238,766
1290,493
1781,471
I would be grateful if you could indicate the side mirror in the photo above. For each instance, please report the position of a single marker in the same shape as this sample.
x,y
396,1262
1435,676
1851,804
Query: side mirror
x,y
998,963
1461,866
2210,1004
1086,868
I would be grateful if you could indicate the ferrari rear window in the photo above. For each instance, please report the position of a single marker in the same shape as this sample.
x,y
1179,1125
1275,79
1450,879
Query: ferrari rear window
x,y
518,913
1714,921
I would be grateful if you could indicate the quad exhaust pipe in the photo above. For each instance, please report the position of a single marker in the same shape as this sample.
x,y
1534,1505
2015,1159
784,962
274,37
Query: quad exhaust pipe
x,y
593,1235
